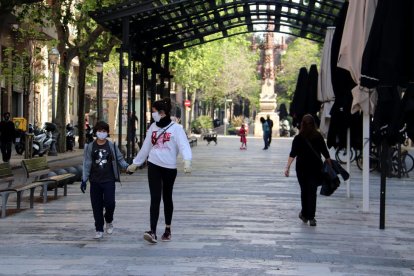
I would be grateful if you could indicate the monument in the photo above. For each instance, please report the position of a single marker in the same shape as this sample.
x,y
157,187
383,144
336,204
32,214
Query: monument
x,y
268,96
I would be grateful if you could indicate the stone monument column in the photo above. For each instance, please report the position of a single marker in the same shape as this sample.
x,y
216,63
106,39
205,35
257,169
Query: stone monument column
x,y
268,96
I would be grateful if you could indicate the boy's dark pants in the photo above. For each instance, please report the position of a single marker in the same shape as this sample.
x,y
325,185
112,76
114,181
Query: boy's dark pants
x,y
103,195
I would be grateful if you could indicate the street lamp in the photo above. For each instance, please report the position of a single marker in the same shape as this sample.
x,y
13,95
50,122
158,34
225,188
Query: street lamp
x,y
54,58
99,84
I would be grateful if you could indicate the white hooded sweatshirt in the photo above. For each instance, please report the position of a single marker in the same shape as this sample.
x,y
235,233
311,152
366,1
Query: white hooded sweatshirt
x,y
164,151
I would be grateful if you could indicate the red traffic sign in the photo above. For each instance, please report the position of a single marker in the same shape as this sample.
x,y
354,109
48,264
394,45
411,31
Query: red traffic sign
x,y
187,103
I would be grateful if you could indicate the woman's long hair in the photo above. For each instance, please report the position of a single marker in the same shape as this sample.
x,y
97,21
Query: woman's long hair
x,y
308,127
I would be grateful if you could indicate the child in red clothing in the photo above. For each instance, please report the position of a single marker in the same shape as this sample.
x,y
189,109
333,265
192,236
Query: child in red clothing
x,y
243,140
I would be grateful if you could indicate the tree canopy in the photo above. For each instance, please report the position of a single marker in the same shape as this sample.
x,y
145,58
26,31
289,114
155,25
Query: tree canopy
x,y
220,69
300,53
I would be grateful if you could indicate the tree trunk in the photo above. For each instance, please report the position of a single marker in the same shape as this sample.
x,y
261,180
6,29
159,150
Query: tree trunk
x,y
81,98
212,104
62,102
193,110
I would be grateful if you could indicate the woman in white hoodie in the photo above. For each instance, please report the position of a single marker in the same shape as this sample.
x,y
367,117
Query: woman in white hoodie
x,y
164,140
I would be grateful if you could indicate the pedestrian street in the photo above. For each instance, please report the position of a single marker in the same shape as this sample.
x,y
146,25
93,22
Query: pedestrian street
x,y
236,214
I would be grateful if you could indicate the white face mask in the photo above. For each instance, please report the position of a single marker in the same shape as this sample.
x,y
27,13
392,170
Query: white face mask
x,y
156,116
101,135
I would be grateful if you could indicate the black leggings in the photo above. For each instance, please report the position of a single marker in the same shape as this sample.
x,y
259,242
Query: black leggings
x,y
161,180
308,190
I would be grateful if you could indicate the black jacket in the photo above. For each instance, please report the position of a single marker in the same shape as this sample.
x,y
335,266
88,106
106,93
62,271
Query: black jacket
x,y
7,131
331,180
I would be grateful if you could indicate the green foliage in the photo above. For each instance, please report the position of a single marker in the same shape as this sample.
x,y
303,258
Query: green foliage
x,y
202,122
300,53
220,69
237,121
24,65
231,130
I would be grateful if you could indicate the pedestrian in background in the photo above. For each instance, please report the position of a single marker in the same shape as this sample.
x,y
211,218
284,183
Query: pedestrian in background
x,y
243,139
164,140
270,123
266,132
307,148
101,162
133,122
7,136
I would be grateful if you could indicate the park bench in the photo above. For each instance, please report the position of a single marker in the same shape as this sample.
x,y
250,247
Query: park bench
x,y
37,170
6,176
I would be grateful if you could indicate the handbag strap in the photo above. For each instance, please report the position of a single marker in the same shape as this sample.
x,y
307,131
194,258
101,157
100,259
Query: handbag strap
x,y
313,150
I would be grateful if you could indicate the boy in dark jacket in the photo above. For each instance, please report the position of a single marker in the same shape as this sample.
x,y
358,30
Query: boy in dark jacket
x,y
101,163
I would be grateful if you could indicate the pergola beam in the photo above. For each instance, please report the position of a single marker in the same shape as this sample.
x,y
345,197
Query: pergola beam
x,y
161,26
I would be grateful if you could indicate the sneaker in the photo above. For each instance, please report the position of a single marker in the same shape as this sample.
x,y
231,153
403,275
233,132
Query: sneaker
x,y
303,218
98,235
109,228
150,237
312,222
166,236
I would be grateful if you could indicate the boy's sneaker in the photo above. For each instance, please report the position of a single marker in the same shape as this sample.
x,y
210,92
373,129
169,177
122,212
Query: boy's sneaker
x,y
166,236
150,237
312,222
109,228
98,235
303,218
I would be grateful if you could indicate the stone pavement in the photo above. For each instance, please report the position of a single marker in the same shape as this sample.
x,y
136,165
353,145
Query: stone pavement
x,y
236,214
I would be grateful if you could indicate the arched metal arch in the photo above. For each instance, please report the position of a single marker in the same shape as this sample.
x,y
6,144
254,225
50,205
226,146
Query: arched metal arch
x,y
168,25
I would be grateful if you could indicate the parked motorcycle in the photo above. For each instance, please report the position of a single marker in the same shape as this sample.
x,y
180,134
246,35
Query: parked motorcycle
x,y
20,141
70,137
44,140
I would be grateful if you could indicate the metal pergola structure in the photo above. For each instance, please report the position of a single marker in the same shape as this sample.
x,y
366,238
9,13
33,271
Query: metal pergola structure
x,y
149,30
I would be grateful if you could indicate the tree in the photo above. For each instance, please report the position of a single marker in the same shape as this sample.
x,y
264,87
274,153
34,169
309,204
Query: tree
x,y
76,34
7,6
99,50
223,68
300,53
23,61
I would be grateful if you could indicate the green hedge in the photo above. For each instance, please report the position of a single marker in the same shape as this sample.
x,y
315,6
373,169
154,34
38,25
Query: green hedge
x,y
202,122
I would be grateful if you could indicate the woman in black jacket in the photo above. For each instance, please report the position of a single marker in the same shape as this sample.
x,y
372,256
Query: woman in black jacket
x,y
307,148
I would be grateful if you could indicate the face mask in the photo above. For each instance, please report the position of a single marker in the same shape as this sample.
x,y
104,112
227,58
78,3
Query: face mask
x,y
101,135
156,116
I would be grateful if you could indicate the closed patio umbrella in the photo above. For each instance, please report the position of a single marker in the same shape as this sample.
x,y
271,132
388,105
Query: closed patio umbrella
x,y
342,84
325,90
387,62
312,104
357,27
298,106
